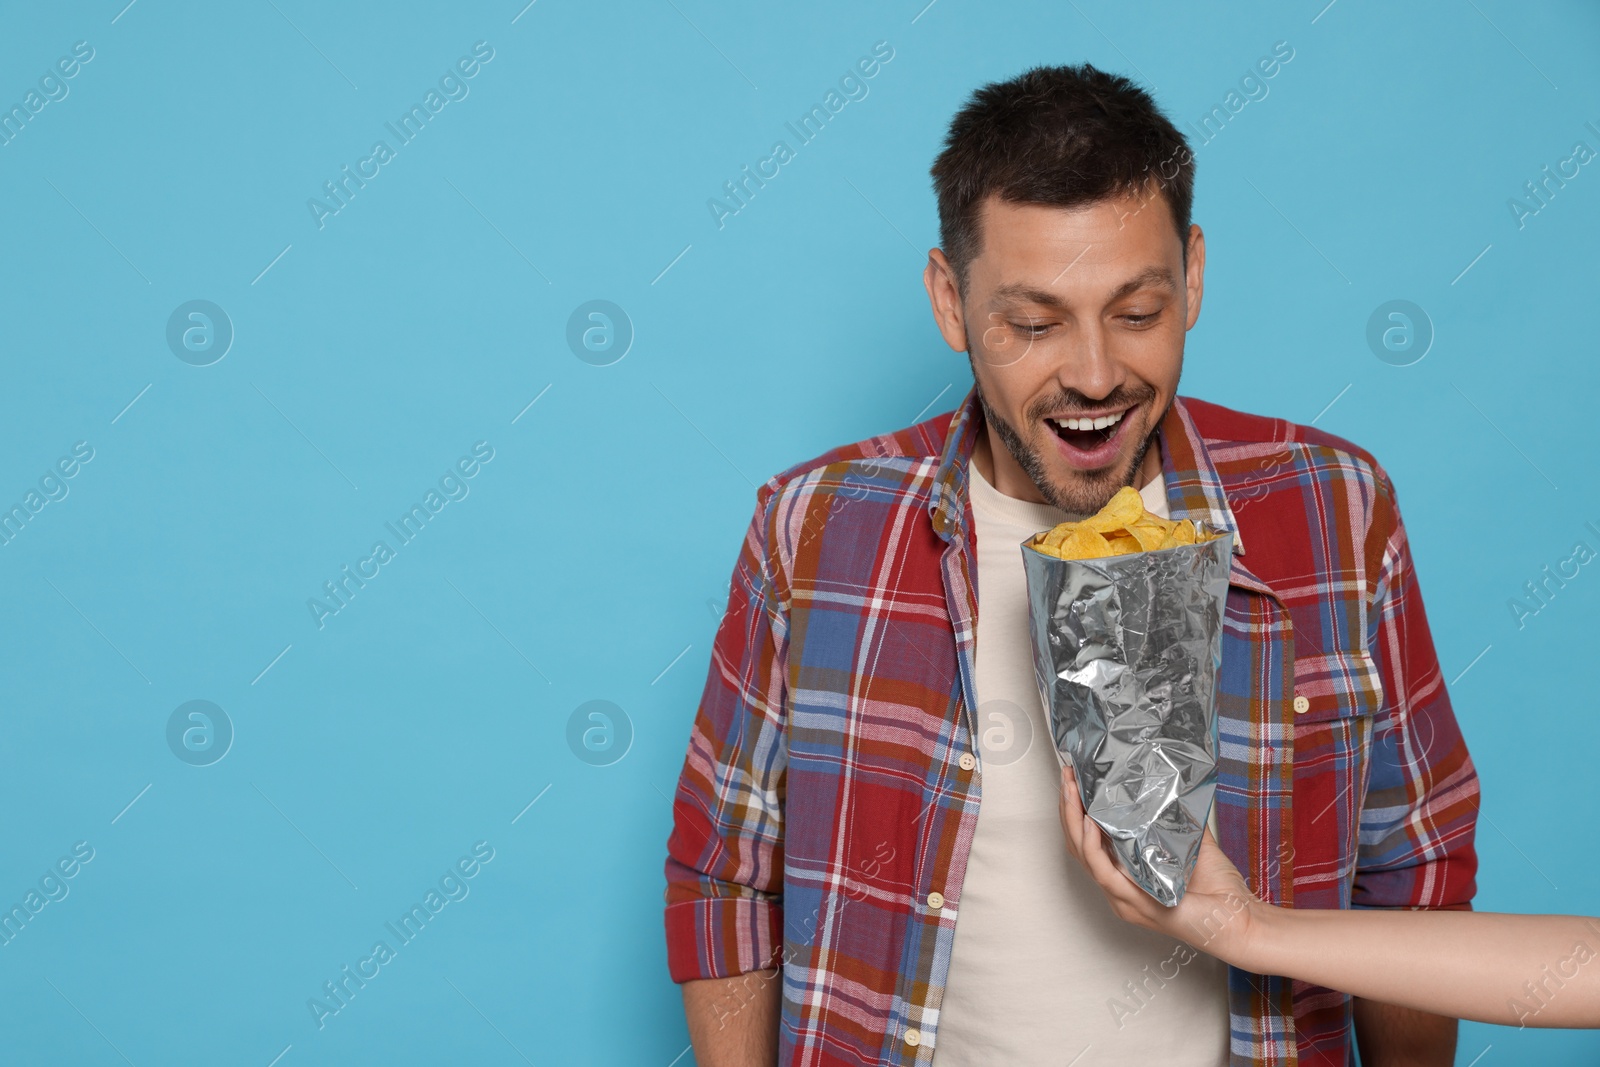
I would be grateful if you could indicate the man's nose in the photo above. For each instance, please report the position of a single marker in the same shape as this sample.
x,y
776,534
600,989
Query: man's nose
x,y
1087,364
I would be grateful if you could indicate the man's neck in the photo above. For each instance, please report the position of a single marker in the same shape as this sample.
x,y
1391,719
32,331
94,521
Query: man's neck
x,y
1001,470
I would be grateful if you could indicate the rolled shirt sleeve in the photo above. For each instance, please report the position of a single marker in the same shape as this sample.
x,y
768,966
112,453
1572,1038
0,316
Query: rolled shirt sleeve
x,y
724,867
1419,813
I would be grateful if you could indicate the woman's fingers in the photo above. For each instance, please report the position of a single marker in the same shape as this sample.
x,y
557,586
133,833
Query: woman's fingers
x,y
1087,843
1102,868
1097,857
1130,903
1087,839
1103,865
1214,873
1213,878
1071,812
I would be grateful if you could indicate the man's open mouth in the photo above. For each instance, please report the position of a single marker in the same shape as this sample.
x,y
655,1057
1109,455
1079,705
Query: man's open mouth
x,y
1090,440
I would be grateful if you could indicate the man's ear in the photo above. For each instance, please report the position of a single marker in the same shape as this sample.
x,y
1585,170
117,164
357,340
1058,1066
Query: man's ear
x,y
1194,281
944,296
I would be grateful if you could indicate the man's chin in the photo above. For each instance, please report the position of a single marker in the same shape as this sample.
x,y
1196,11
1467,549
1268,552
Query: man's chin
x,y
1079,481
1084,491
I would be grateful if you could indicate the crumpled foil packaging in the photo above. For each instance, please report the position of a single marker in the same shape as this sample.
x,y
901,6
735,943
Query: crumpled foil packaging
x,y
1126,651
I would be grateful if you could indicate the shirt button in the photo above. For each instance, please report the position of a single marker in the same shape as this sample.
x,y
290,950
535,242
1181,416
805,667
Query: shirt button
x,y
913,1037
936,900
967,762
1301,705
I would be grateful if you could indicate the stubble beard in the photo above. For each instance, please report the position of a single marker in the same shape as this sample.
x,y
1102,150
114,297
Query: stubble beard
x,y
1093,489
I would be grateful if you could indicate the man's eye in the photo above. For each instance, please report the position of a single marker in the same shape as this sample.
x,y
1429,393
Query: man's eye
x,y
1141,320
1030,329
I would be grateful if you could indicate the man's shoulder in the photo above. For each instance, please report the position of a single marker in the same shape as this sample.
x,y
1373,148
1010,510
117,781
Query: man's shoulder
x,y
1245,446
891,456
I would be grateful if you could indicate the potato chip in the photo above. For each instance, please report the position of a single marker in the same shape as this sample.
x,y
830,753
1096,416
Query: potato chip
x,y
1054,538
1122,543
1125,507
1085,544
1122,526
1148,537
1156,522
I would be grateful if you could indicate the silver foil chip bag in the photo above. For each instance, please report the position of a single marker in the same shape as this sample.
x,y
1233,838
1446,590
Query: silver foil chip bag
x,y
1126,651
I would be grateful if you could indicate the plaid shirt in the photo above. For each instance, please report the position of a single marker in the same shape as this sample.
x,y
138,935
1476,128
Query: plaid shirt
x,y
831,787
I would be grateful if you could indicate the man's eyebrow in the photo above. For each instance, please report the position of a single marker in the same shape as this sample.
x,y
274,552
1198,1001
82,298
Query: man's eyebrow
x,y
1149,278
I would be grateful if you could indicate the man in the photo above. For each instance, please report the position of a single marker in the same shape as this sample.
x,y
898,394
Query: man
x,y
836,892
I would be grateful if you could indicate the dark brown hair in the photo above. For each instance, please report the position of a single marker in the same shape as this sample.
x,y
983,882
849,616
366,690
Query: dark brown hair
x,y
1063,136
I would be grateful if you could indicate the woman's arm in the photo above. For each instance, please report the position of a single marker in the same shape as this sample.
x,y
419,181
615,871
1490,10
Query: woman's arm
x,y
1514,970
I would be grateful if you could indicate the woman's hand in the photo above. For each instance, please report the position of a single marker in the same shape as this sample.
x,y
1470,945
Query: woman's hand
x,y
1215,912
1459,964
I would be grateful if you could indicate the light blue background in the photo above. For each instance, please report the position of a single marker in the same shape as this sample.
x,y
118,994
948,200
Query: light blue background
x,y
590,558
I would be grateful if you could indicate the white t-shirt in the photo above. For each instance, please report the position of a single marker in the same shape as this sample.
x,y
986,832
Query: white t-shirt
x,y
1041,971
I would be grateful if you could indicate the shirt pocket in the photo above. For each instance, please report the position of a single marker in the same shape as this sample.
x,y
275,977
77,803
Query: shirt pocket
x,y
1342,696
1336,685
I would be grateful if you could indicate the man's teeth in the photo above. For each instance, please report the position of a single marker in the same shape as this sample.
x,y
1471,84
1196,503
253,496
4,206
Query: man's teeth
x,y
1090,424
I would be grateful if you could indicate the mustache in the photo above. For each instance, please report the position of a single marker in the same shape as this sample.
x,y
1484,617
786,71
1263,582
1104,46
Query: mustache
x,y
1069,401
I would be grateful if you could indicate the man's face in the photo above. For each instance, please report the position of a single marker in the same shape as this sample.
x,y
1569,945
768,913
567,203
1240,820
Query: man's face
x,y
1073,314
